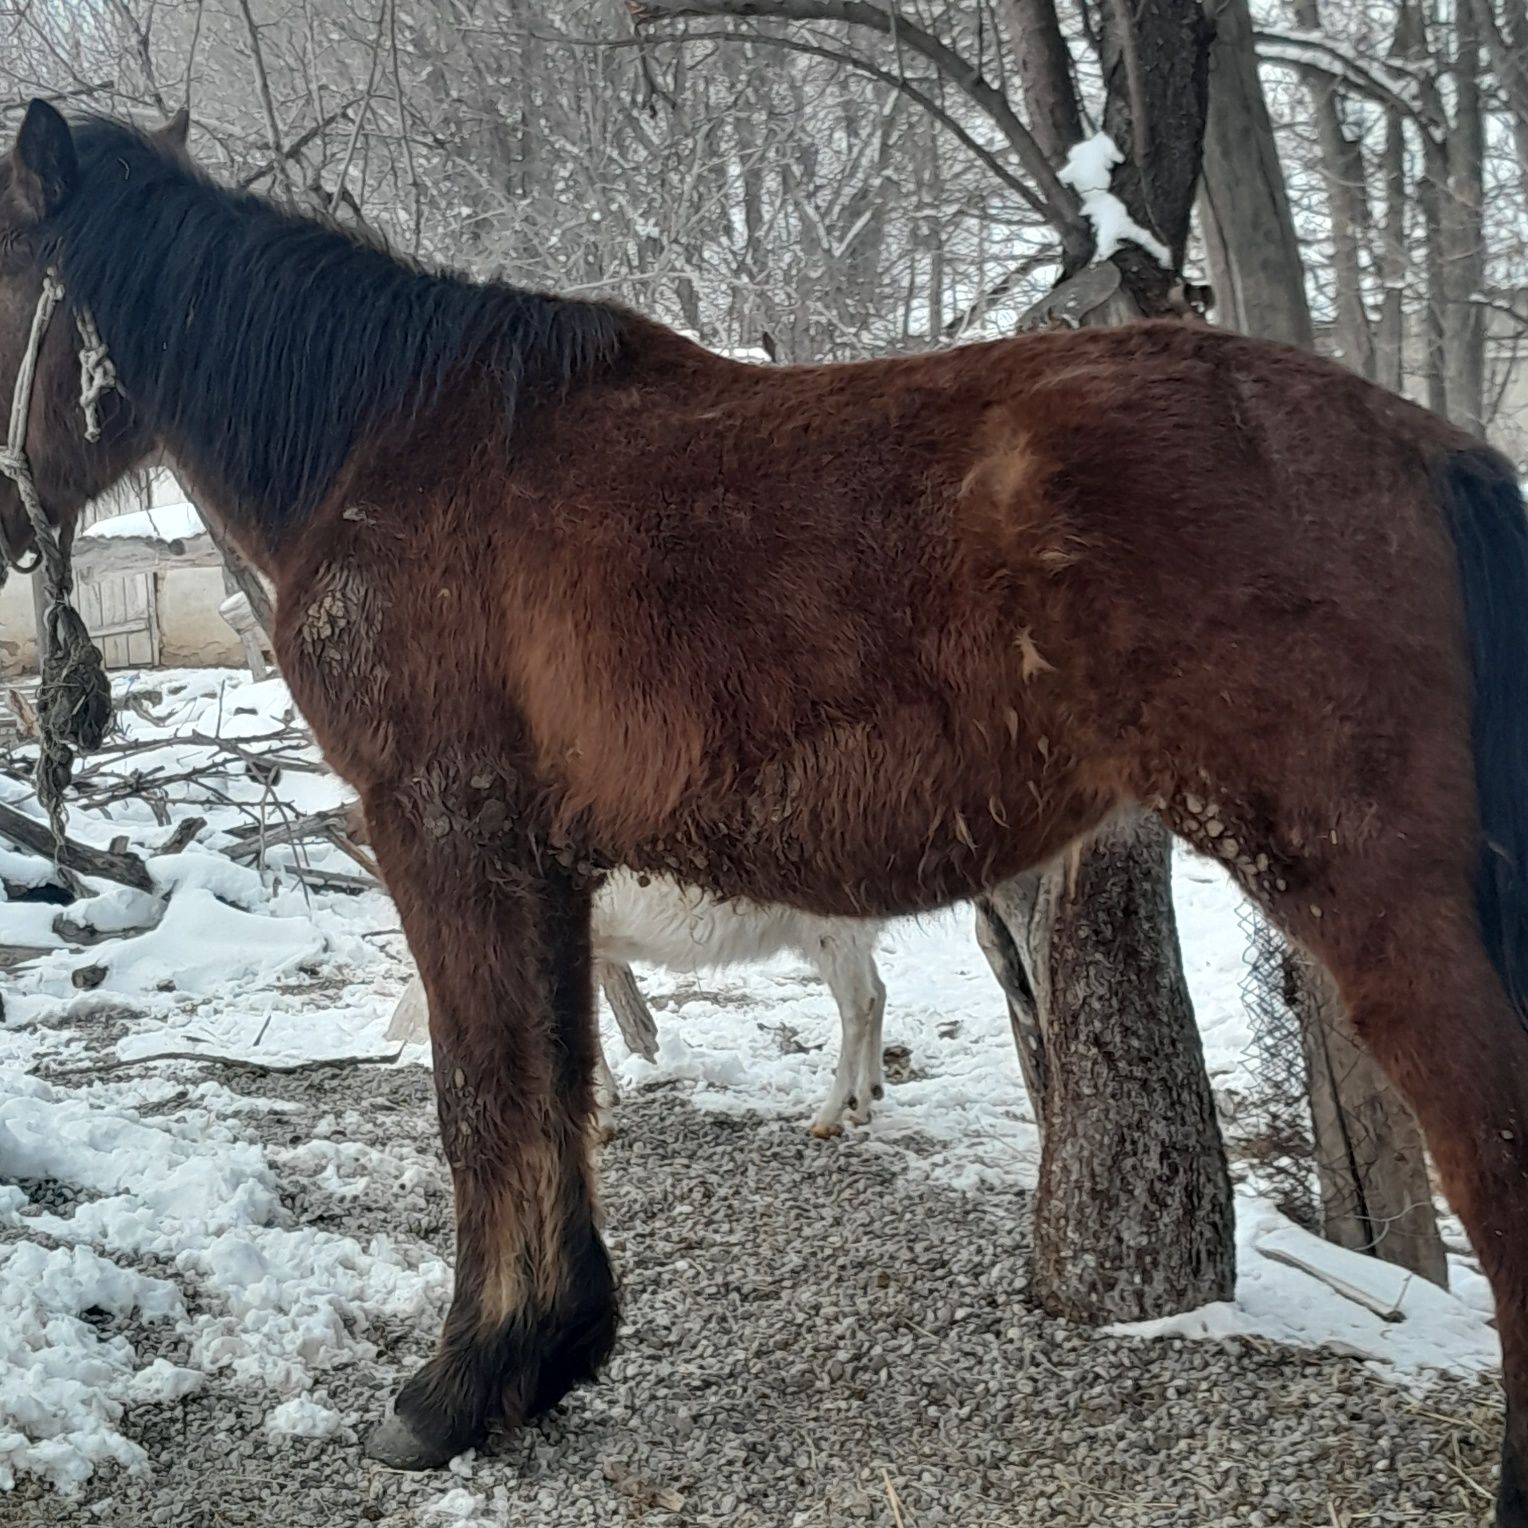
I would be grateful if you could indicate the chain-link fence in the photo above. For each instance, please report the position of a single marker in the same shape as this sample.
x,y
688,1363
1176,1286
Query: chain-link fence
x,y
1276,1130
1329,1140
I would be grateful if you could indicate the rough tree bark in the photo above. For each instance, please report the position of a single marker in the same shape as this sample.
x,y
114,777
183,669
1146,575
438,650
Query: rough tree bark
x,y
1134,1216
1249,234
1375,1193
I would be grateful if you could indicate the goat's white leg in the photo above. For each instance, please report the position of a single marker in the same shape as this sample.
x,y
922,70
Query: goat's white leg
x,y
825,1122
606,1094
857,989
874,1064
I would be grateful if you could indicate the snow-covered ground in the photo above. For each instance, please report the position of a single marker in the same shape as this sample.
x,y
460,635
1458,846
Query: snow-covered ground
x,y
263,966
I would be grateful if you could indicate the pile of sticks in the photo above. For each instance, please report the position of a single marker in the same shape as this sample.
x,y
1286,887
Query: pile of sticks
x,y
207,766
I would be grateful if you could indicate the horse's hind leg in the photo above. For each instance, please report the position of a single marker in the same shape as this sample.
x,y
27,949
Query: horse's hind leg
x,y
1424,998
503,950
1379,885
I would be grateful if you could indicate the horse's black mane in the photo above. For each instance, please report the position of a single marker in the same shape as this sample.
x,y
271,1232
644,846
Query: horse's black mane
x,y
265,345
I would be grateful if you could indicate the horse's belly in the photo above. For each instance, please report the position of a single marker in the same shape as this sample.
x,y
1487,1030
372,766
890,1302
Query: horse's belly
x,y
879,845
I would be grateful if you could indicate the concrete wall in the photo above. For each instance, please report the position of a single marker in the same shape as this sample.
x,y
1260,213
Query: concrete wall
x,y
18,627
191,632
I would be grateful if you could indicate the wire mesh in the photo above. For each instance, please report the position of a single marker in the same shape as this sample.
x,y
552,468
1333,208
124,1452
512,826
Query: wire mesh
x,y
1276,1126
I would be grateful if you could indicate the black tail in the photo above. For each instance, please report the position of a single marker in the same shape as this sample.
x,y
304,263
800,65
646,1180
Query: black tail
x,y
1484,505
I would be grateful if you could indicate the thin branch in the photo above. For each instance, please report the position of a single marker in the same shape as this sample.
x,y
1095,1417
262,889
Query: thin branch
x,y
958,325
233,1063
360,120
297,145
262,81
140,36
899,83
403,130
1061,205
1315,54
196,37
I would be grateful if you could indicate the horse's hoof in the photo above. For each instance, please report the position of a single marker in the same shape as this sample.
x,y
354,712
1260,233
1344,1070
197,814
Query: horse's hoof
x,y
395,1444
825,1130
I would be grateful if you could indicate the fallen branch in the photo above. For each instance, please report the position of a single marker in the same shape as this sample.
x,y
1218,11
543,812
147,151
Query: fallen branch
x,y
111,865
14,956
254,838
233,1063
182,836
83,935
328,880
1386,1310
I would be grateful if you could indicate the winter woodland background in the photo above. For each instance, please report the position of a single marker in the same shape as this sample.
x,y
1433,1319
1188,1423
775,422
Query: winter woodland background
x,y
820,188
806,180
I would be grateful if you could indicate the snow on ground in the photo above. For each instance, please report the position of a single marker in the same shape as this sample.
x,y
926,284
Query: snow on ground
x,y
255,964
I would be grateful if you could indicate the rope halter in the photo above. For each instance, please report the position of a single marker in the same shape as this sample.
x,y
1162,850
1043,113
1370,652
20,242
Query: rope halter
x,y
74,696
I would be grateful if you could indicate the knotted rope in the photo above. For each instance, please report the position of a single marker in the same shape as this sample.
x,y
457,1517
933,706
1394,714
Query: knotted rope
x,y
74,694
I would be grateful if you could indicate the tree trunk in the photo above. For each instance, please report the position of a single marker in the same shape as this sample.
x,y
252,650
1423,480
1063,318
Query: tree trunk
x,y
1375,1194
1394,259
1507,48
1370,1162
1462,233
1342,170
1430,193
1249,235
1134,1215
1002,931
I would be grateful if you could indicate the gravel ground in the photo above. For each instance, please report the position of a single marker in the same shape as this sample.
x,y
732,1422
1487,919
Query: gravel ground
x,y
815,1335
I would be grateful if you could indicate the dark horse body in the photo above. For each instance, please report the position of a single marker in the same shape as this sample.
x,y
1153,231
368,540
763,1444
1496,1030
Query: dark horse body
x,y
559,590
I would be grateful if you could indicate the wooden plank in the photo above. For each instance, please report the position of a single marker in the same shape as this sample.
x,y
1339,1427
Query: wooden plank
x,y
101,556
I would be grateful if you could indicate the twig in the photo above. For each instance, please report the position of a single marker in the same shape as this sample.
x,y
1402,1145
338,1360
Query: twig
x,y
403,127
1060,203
291,151
1386,1312
233,1063
329,880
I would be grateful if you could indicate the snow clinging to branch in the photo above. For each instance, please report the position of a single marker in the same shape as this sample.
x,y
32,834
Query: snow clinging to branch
x,y
1088,170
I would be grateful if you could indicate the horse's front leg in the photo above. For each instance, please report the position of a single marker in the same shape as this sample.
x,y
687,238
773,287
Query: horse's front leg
x,y
502,941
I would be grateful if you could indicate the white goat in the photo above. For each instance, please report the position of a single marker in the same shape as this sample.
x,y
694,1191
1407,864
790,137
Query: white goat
x,y
665,924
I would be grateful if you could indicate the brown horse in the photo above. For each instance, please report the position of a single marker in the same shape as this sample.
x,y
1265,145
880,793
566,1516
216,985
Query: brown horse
x,y
559,590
